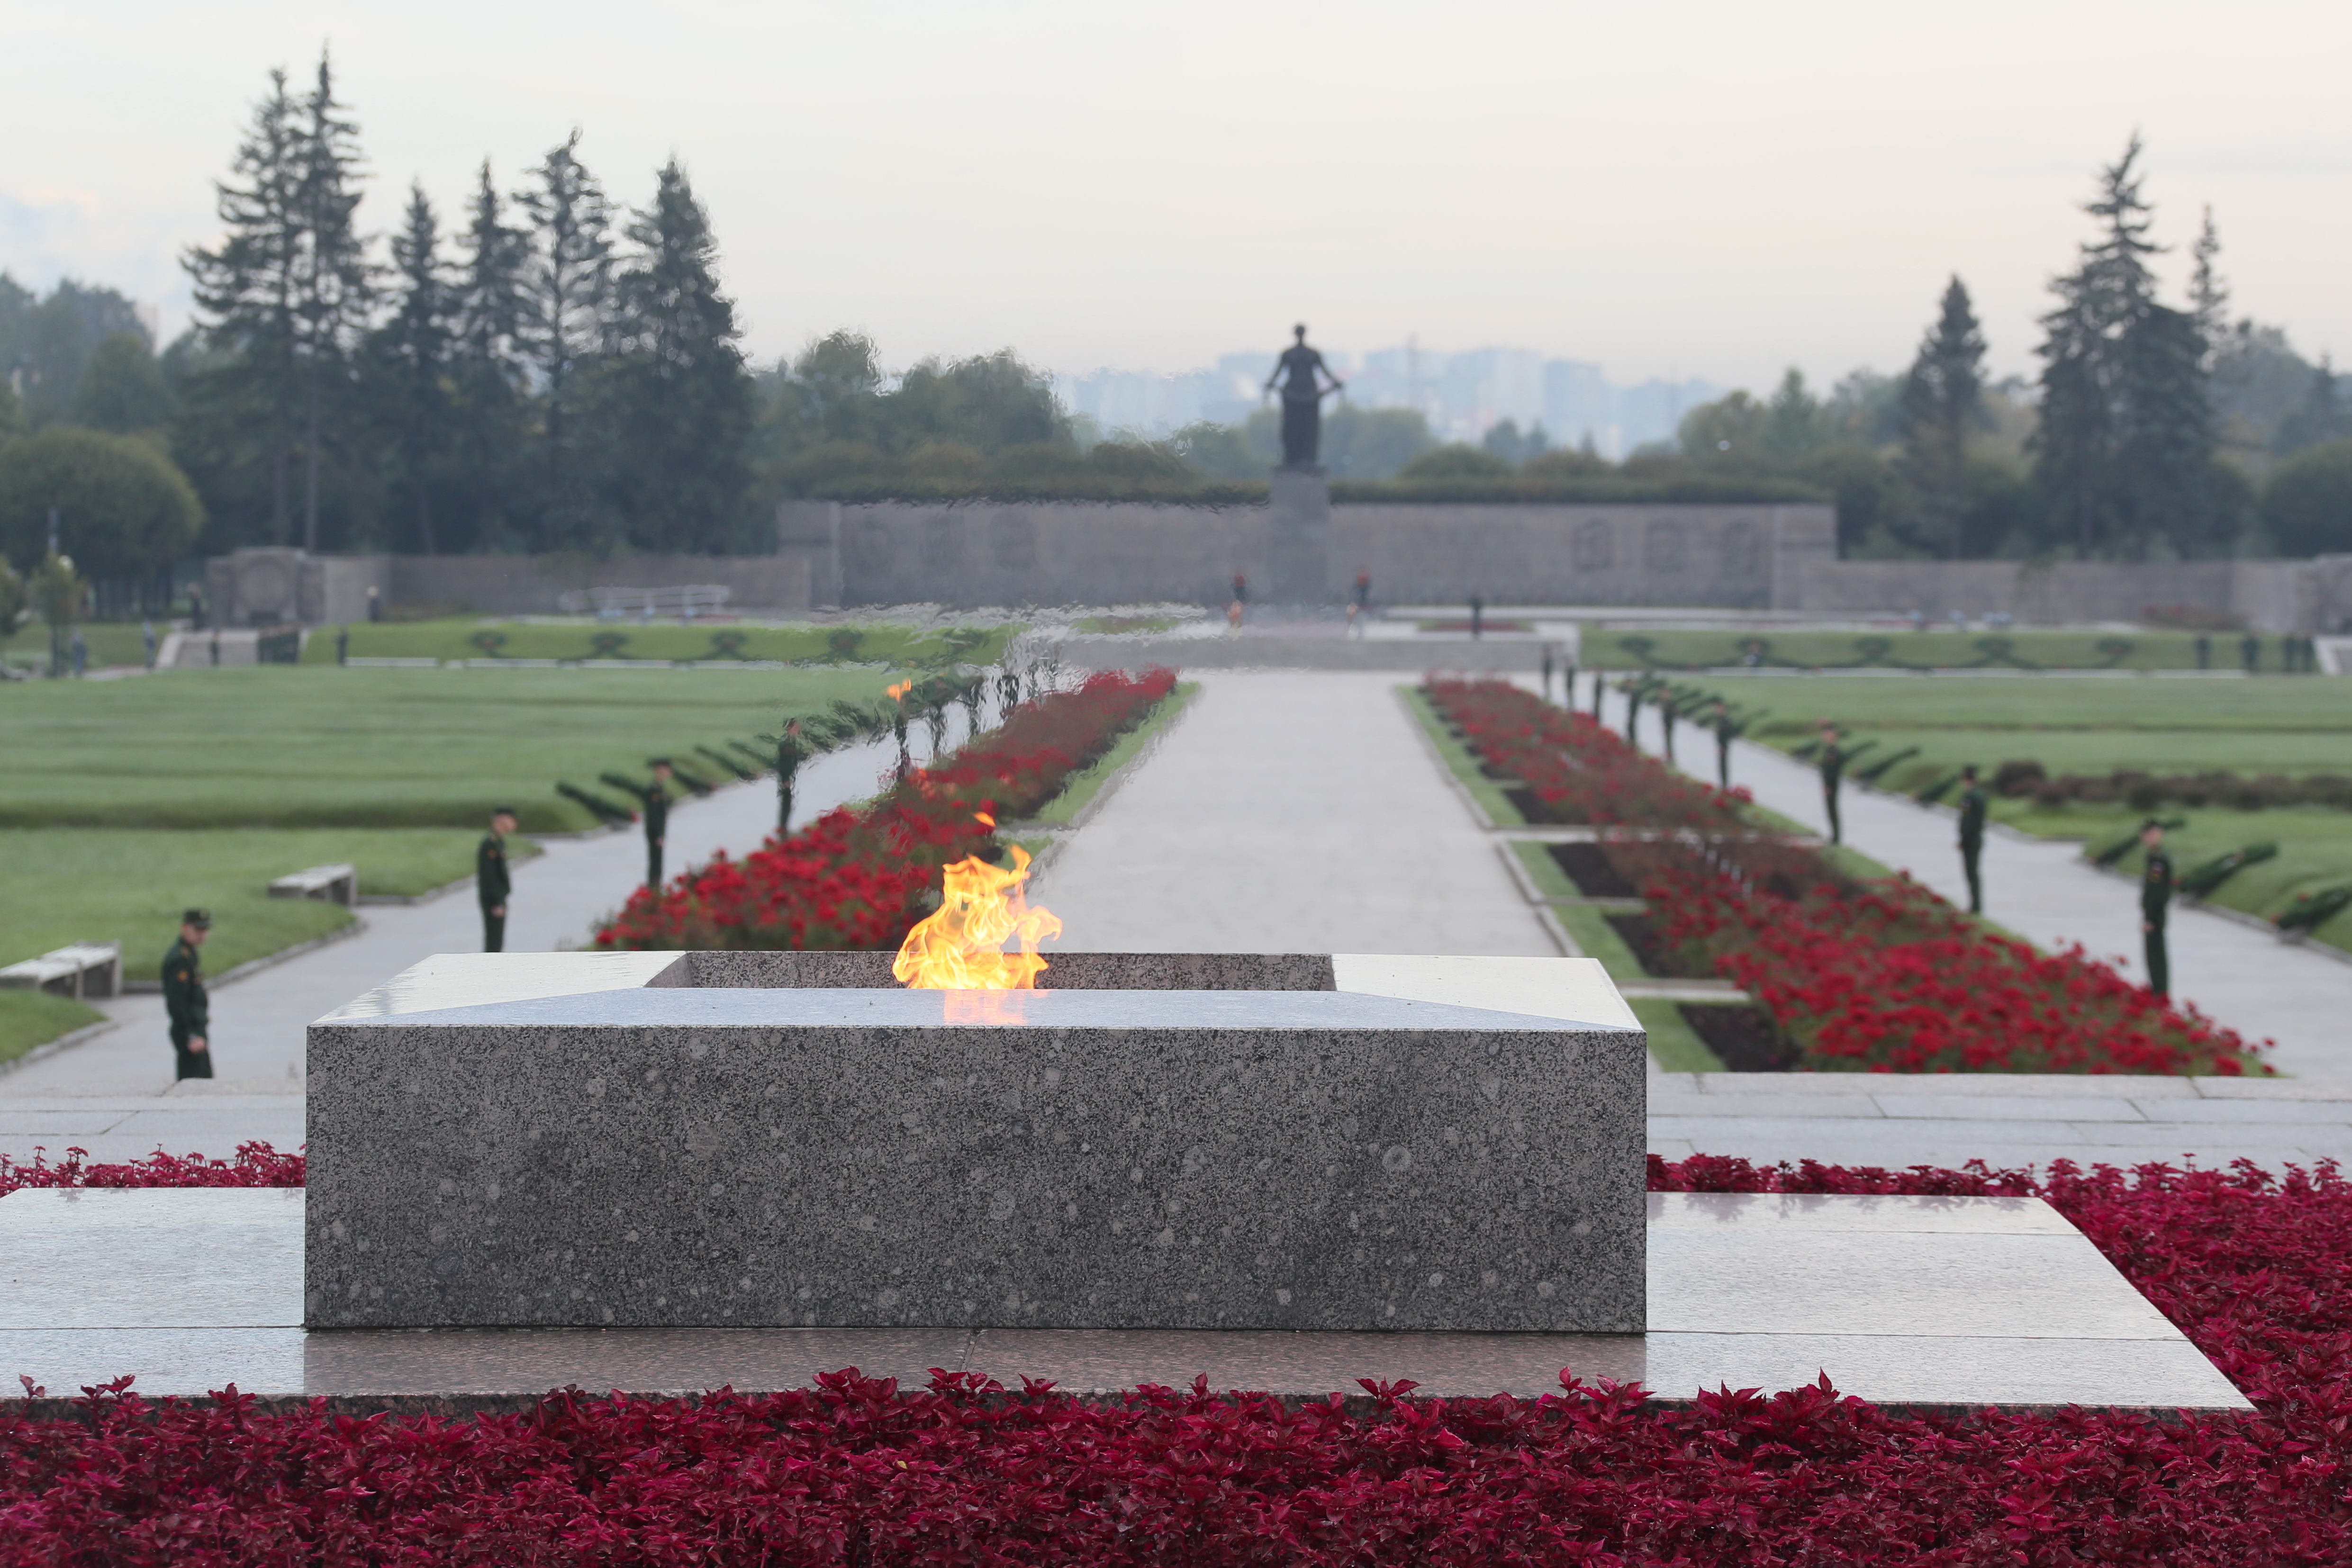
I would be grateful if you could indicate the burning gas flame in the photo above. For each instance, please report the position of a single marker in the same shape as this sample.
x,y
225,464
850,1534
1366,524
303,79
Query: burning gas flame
x,y
962,947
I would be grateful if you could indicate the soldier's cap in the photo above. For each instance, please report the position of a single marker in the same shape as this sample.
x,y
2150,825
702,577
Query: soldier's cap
x,y
504,812
2156,823
202,919
659,762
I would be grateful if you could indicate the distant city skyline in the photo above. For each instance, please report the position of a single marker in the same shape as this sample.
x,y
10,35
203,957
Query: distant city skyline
x,y
1462,394
1684,189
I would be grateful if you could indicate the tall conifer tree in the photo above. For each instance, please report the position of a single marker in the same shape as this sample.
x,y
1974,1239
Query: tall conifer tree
x,y
488,368
677,397
247,287
1942,406
570,295
333,280
411,360
2124,451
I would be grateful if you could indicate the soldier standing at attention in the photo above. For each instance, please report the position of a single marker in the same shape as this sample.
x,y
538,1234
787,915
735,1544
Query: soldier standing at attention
x,y
2154,903
184,999
656,822
1972,824
1832,766
1727,730
789,753
492,883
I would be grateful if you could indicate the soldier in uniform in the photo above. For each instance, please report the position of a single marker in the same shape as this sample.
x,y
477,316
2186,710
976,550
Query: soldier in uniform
x,y
1727,728
657,820
492,883
790,752
2154,903
1972,824
184,999
1832,761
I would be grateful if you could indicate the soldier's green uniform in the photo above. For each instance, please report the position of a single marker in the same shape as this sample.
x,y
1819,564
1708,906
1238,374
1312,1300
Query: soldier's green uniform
x,y
185,1001
1973,801
2154,903
1727,730
492,885
1833,765
790,753
656,801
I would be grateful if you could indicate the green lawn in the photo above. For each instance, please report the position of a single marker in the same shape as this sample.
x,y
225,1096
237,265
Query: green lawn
x,y
472,637
280,746
1695,650
28,1018
131,885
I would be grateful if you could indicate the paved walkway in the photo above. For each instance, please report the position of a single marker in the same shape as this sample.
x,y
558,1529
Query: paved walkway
x,y
1288,812
114,1095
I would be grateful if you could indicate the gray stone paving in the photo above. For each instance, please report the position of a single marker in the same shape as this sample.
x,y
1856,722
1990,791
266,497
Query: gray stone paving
x,y
1289,812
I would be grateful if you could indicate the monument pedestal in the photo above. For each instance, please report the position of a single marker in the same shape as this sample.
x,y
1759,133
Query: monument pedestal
x,y
1300,542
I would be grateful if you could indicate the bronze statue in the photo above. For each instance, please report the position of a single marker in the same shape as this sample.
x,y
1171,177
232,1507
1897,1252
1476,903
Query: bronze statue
x,y
1301,372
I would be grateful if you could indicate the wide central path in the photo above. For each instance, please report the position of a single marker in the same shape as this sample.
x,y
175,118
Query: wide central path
x,y
1288,812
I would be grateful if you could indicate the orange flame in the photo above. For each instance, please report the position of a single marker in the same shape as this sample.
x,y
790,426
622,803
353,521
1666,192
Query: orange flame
x,y
900,690
960,948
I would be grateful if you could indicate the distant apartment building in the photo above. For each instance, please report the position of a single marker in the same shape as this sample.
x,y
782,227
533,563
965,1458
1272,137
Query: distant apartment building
x,y
1462,395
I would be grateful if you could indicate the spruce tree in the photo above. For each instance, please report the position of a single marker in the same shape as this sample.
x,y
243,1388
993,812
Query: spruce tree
x,y
489,371
245,291
410,366
569,294
2124,451
334,282
1942,404
676,400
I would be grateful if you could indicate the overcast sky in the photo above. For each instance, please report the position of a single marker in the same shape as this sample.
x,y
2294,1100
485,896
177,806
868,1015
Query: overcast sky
x,y
1687,187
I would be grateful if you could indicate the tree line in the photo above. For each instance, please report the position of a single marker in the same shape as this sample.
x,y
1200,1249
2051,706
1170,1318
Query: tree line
x,y
2152,430
553,370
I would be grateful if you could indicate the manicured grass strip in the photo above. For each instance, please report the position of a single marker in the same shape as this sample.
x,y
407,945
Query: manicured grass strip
x,y
1082,788
1464,765
30,1018
1596,938
1674,1046
307,747
1939,648
472,637
1545,872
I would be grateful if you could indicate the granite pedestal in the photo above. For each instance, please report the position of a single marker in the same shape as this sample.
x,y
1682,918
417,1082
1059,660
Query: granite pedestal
x,y
1300,1141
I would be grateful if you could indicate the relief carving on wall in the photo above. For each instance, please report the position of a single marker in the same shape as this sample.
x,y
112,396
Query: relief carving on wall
x,y
1594,546
1664,548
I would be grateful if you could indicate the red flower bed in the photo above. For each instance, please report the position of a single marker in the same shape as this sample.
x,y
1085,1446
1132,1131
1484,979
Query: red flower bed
x,y
1883,974
1886,975
256,1165
860,880
2252,1268
1578,770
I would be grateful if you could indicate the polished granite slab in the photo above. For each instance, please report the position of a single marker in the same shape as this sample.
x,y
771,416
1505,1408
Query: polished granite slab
x,y
1346,1143
1867,1290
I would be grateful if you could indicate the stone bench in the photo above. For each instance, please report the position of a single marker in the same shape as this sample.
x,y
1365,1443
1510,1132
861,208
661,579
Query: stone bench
x,y
335,884
83,970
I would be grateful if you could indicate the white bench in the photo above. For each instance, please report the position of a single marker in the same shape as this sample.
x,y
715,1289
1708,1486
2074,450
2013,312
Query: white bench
x,y
336,883
84,969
